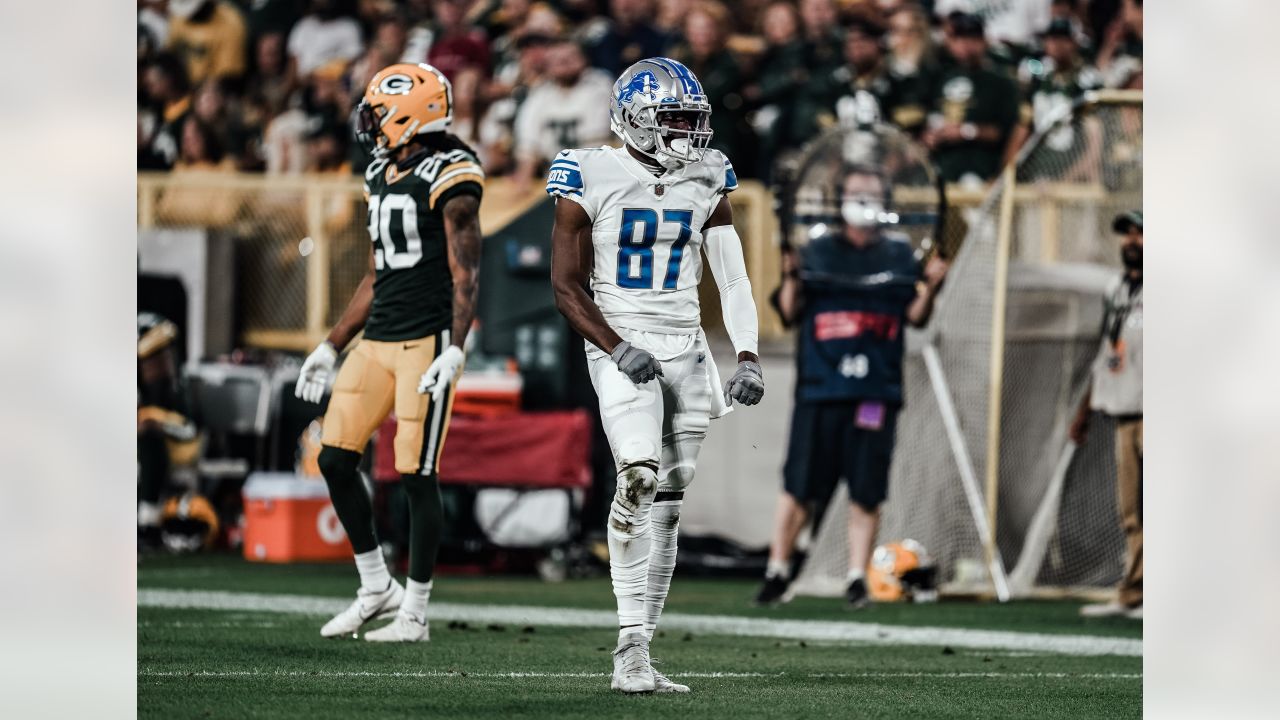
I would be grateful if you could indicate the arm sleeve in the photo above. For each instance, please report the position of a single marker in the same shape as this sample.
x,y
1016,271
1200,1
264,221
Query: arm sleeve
x,y
564,180
724,256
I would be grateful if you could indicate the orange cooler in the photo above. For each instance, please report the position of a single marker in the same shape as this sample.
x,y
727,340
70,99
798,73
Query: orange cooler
x,y
288,518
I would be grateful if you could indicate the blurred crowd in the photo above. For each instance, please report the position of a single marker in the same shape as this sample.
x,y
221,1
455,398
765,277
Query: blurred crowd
x,y
268,85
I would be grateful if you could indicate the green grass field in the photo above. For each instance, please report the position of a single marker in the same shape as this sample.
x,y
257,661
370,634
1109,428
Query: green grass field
x,y
260,654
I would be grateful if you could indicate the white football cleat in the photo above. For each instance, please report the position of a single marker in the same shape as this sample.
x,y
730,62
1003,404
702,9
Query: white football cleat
x,y
368,606
631,670
405,628
664,684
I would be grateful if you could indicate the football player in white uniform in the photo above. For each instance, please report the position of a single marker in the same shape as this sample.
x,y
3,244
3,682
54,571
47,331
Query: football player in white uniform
x,y
631,226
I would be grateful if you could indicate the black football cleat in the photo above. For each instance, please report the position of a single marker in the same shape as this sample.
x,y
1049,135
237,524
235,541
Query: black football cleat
x,y
772,591
855,595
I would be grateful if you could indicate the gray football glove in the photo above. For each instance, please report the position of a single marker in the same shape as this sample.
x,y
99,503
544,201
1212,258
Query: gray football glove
x,y
639,365
746,386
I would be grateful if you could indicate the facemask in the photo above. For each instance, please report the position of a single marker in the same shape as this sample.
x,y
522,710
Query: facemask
x,y
861,214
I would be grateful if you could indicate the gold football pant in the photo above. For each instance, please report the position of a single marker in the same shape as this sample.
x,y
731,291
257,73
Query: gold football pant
x,y
377,376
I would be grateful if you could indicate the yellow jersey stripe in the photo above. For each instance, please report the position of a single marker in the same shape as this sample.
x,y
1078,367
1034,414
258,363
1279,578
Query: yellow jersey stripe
x,y
453,179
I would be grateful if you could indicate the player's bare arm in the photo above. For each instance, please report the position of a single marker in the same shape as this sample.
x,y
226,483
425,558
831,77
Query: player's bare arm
x,y
462,233
316,370
571,257
356,313
724,256
462,227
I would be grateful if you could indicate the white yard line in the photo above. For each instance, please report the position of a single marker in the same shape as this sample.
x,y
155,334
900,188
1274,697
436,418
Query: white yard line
x,y
816,630
517,675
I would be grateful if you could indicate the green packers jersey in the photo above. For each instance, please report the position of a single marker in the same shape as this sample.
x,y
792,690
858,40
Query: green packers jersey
x,y
413,288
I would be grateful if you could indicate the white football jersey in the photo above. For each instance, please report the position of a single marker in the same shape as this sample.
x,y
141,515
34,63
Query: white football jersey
x,y
646,231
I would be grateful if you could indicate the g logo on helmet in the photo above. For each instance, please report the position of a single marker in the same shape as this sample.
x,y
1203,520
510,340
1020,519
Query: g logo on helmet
x,y
398,84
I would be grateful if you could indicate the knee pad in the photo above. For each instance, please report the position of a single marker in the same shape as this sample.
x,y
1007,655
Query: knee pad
x,y
637,484
676,478
337,464
635,451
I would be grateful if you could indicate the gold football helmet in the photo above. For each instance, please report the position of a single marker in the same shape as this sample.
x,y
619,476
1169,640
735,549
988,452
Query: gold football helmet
x,y
901,571
403,100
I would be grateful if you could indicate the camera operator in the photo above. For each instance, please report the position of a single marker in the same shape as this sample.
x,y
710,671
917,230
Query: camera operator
x,y
849,380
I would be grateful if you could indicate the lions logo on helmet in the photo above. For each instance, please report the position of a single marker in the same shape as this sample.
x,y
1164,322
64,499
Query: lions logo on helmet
x,y
644,83
661,111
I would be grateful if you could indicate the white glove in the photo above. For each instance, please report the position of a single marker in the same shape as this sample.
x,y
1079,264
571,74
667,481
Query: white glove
x,y
315,373
442,372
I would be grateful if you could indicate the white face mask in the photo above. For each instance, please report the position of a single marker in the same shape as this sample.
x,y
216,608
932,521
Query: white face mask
x,y
862,214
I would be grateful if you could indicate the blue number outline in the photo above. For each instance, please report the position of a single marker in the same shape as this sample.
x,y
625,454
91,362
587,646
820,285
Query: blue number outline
x,y
628,246
685,218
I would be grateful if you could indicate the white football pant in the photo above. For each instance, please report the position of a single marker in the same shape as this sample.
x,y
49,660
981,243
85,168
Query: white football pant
x,y
655,431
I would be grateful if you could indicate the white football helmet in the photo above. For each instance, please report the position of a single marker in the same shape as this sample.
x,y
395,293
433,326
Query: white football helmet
x,y
647,97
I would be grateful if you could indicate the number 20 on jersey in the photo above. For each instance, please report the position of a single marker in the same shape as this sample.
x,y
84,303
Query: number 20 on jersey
x,y
638,235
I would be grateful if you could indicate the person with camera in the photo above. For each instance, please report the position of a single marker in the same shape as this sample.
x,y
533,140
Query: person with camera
x,y
850,292
1116,390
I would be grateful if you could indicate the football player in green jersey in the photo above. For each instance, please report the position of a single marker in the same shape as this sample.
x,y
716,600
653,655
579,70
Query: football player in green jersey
x,y
415,306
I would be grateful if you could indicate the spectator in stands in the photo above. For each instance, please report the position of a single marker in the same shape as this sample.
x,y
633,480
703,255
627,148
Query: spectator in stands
x,y
390,39
672,18
864,69
706,33
201,149
626,38
1051,83
1066,10
1116,390
513,80
974,109
323,35
779,25
324,100
913,63
270,83
221,116
1120,53
459,50
849,377
153,28
167,103
562,112
775,69
793,87
1009,23
209,36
